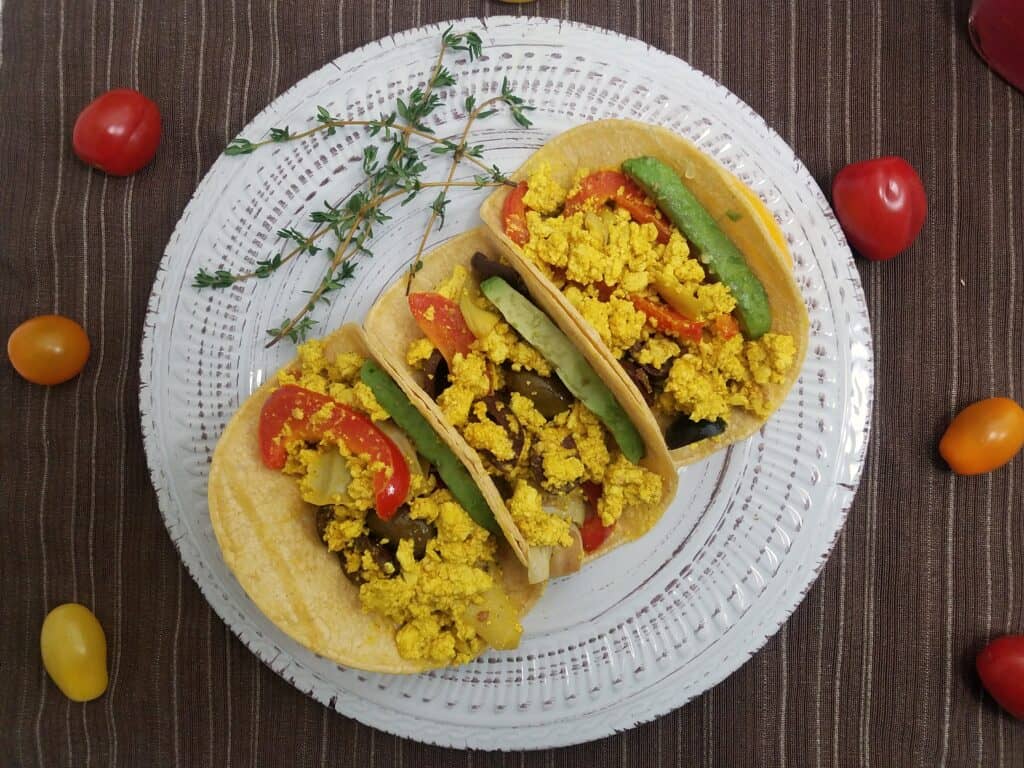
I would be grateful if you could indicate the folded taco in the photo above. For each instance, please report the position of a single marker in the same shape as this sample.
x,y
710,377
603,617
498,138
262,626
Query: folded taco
x,y
353,525
549,442
669,266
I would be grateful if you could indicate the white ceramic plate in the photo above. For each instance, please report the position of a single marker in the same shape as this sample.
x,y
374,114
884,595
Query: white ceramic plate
x,y
651,625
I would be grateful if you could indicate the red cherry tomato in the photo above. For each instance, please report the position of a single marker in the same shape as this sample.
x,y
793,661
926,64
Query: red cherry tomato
x,y
442,322
881,205
118,132
48,349
1001,668
984,436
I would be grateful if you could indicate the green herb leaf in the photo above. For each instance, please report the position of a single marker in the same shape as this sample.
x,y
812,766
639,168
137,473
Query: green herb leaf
x,y
280,134
439,206
296,333
323,116
219,279
239,146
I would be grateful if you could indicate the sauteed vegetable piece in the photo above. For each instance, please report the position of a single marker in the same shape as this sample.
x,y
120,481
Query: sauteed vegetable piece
x,y
612,186
442,322
570,365
292,411
716,251
430,446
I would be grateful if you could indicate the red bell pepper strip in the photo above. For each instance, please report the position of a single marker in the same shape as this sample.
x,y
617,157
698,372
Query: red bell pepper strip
x,y
602,187
292,411
667,320
593,532
726,327
513,215
442,322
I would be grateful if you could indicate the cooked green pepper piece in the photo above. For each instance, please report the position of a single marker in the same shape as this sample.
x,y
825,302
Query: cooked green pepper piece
x,y
462,485
715,250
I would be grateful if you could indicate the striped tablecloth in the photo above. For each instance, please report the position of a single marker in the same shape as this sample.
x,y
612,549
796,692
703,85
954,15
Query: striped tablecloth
x,y
875,668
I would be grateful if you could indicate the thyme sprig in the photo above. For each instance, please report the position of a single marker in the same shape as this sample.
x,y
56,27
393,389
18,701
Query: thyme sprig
x,y
392,171
462,150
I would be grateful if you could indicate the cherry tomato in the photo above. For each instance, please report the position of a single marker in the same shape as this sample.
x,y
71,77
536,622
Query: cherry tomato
x,y
48,349
984,436
881,205
74,651
1001,668
118,132
513,215
443,323
667,320
293,410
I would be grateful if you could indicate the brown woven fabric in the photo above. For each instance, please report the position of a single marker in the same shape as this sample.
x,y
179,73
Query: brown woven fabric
x,y
875,668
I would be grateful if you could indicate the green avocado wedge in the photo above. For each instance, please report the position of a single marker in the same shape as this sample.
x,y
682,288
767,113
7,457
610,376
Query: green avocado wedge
x,y
715,250
570,365
455,475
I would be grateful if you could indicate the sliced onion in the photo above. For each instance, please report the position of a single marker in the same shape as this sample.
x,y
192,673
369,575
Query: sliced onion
x,y
571,506
327,479
566,560
538,564
400,439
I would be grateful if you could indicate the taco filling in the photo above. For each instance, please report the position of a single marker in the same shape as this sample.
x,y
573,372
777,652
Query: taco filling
x,y
680,310
559,448
402,535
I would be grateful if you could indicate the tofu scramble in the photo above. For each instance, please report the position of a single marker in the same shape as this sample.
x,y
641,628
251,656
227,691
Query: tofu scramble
x,y
652,303
426,567
545,449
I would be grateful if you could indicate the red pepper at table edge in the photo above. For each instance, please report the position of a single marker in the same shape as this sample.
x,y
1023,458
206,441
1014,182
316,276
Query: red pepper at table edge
x,y
601,187
1001,668
881,205
667,320
593,533
357,431
513,215
445,326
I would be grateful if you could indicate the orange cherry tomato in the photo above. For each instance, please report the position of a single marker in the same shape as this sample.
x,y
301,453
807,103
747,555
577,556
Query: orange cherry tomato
x,y
983,436
48,349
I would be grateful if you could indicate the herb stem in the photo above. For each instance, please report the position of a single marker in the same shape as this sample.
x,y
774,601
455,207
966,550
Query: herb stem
x,y
457,156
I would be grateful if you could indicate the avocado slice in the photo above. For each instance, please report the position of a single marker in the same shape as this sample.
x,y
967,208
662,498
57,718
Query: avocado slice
x,y
454,474
570,365
715,250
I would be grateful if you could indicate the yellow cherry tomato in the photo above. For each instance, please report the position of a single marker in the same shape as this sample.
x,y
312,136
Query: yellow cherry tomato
x,y
74,651
984,436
